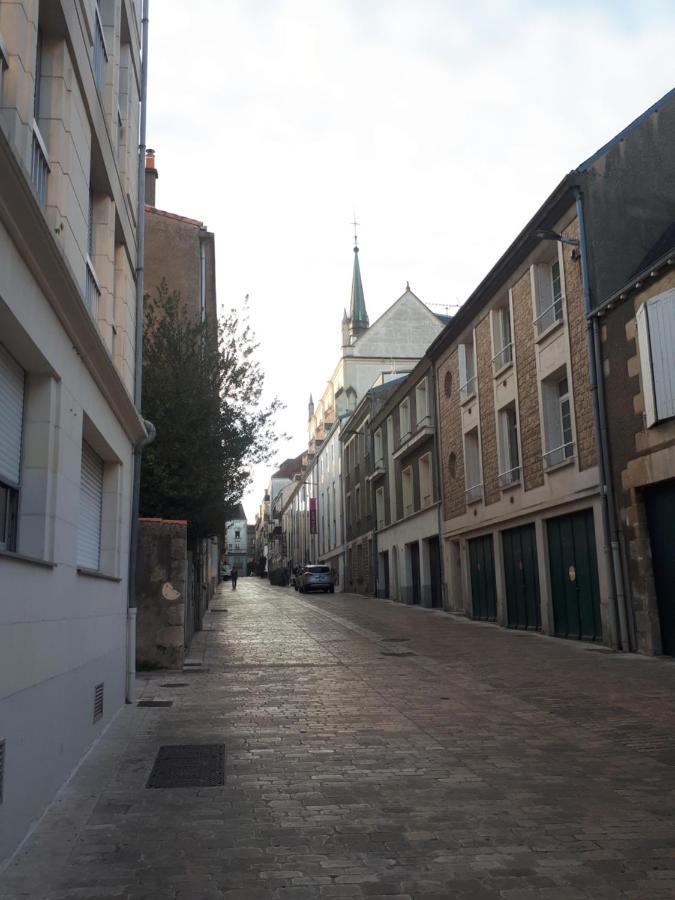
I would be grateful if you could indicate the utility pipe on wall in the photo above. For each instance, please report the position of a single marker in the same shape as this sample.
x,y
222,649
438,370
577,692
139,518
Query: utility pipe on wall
x,y
138,369
610,525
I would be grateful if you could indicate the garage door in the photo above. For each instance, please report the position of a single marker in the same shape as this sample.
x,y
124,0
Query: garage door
x,y
660,503
482,570
521,577
574,576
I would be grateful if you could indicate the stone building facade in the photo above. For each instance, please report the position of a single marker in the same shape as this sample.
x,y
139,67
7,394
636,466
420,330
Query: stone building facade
x,y
637,334
69,113
405,488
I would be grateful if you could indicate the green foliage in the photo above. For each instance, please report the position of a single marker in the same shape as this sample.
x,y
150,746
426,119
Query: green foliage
x,y
202,389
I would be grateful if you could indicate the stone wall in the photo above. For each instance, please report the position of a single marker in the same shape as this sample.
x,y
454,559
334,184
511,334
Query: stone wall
x,y
528,388
450,432
161,585
488,421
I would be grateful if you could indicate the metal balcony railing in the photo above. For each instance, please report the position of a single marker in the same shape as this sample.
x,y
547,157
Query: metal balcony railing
x,y
100,53
468,389
549,316
474,493
39,167
512,476
559,455
503,358
92,291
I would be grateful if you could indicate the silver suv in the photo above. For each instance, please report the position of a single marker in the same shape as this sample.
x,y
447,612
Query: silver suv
x,y
315,578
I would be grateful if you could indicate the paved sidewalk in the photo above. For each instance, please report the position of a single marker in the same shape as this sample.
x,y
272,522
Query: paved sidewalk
x,y
375,750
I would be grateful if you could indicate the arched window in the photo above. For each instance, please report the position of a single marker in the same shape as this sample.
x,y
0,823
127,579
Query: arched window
x,y
447,383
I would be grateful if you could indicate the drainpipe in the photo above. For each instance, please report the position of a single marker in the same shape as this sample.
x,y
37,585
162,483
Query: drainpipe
x,y
202,274
138,371
609,519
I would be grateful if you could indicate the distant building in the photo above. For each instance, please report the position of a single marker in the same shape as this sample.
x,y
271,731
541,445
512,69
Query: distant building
x,y
236,550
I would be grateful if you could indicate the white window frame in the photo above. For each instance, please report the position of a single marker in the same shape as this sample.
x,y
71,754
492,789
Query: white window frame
x,y
558,435
473,470
404,419
655,322
549,305
509,446
426,481
468,381
422,401
407,491
502,338
379,506
378,449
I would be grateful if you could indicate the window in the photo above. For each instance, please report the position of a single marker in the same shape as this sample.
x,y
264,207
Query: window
x,y
447,384
92,289
377,444
379,506
421,402
357,494
467,372
509,458
12,381
548,295
100,51
349,509
472,467
404,418
503,342
237,534
39,156
407,489
656,342
91,508
426,497
557,405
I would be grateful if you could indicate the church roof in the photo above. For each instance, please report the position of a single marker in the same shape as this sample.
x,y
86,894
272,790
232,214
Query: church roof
x,y
357,309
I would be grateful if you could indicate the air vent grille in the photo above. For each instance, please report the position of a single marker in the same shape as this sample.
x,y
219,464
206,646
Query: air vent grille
x,y
98,702
2,768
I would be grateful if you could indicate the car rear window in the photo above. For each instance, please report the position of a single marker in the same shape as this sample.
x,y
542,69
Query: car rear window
x,y
323,570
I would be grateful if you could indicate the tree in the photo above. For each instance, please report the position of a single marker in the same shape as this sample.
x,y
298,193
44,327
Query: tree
x,y
202,389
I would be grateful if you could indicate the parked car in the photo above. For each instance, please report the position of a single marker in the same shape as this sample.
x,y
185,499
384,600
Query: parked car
x,y
315,578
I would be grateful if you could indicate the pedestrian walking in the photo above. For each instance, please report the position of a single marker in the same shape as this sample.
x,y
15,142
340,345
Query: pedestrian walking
x,y
233,576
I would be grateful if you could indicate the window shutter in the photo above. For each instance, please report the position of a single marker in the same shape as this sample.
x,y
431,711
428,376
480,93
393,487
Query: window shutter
x,y
91,505
661,320
645,365
11,418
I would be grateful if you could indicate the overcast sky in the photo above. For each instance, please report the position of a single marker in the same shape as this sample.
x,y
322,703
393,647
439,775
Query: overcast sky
x,y
445,124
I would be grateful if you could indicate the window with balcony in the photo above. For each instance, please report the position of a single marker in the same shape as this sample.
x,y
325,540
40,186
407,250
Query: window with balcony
x,y
422,403
557,409
426,483
92,290
404,418
656,330
509,457
407,491
502,338
379,507
467,371
100,50
472,467
377,449
548,295
39,164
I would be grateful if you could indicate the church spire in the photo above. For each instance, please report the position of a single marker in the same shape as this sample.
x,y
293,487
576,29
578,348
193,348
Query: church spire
x,y
358,317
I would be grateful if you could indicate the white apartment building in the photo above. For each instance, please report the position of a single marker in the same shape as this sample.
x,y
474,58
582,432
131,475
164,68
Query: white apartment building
x,y
328,469
70,77
236,540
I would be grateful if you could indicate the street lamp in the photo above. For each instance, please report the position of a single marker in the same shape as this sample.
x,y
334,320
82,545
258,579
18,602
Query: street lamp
x,y
548,234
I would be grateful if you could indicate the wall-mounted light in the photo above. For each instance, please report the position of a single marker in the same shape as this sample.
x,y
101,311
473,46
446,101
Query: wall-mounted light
x,y
548,234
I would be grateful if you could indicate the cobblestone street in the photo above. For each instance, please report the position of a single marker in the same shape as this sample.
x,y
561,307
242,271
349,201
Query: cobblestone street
x,y
375,750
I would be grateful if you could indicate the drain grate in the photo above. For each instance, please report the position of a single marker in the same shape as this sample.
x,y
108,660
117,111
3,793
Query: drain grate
x,y
188,766
394,640
147,703
175,684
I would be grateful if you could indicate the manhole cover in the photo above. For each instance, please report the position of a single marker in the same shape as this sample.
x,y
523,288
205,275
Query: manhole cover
x,y
397,653
188,766
147,703
175,684
394,640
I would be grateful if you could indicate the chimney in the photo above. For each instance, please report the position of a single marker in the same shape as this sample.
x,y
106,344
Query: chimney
x,y
151,177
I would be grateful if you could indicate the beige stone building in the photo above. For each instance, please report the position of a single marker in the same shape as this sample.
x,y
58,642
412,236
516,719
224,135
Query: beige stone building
x,y
70,82
527,522
637,332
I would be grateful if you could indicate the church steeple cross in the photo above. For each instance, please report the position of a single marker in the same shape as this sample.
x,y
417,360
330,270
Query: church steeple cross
x,y
355,224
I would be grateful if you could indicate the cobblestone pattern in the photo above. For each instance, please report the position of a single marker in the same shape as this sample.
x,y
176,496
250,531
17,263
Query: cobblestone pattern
x,y
482,765
486,400
576,326
450,430
528,391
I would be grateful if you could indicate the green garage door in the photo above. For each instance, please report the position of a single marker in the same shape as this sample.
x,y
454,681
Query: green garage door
x,y
574,576
521,577
482,567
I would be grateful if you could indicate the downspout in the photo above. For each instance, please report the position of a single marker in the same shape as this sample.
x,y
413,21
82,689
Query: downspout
x,y
609,520
202,275
138,371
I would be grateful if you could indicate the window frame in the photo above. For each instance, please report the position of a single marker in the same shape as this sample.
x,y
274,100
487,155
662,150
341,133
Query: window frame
x,y
509,446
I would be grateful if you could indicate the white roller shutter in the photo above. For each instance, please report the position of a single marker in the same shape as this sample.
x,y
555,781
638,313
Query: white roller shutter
x,y
91,505
11,418
661,314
